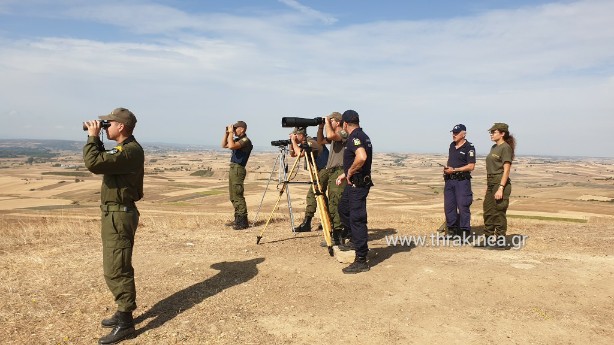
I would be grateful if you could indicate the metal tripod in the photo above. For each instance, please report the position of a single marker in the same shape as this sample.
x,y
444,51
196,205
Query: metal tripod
x,y
320,200
282,178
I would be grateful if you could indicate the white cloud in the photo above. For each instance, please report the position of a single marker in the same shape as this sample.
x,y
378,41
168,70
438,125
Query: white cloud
x,y
310,12
536,66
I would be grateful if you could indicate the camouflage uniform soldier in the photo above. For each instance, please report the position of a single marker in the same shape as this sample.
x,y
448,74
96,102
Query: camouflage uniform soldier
x,y
236,140
297,137
336,136
122,185
499,186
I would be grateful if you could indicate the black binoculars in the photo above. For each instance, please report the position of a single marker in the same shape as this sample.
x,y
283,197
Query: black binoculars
x,y
103,123
280,142
300,122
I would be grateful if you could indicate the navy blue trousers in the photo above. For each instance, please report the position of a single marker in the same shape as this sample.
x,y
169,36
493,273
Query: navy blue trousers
x,y
457,199
353,213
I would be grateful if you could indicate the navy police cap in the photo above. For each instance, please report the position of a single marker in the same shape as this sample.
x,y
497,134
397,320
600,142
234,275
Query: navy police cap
x,y
458,128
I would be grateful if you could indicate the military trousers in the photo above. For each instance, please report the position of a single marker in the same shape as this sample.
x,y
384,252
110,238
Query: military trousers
x,y
457,200
334,196
311,207
353,213
495,218
236,178
118,230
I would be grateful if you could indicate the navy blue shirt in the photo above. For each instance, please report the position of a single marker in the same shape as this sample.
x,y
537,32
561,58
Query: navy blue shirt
x,y
357,139
462,156
322,158
241,156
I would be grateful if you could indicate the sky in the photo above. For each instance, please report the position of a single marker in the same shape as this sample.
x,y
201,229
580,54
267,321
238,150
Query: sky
x,y
412,69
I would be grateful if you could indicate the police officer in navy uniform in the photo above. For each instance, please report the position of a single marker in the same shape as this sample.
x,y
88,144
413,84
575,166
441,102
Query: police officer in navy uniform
x,y
236,140
123,169
457,193
357,159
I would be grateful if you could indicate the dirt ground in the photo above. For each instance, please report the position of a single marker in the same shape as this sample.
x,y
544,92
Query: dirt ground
x,y
200,282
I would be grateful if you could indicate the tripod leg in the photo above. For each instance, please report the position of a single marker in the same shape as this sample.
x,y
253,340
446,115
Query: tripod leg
x,y
320,201
267,187
281,192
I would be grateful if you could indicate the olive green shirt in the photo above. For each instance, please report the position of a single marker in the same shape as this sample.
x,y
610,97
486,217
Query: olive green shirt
x,y
123,169
499,154
335,157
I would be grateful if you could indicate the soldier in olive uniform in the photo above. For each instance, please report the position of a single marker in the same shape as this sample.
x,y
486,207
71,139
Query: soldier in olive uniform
x,y
122,185
499,185
336,137
236,140
320,152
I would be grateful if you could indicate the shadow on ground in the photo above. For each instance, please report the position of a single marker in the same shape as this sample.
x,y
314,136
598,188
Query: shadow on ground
x,y
230,274
512,241
380,254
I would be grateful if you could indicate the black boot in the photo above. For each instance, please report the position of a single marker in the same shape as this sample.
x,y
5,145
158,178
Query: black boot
x,y
347,246
122,331
233,223
337,238
305,226
452,231
346,243
241,223
111,322
359,265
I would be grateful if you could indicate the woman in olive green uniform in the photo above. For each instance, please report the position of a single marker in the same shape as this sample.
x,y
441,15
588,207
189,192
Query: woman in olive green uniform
x,y
498,184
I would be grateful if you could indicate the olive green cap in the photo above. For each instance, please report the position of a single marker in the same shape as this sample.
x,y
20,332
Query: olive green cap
x,y
121,115
500,126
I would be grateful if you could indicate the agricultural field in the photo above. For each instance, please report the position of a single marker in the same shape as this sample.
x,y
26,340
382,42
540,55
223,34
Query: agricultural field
x,y
200,282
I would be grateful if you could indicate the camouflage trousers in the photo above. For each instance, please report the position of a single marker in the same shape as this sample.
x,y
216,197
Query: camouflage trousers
x,y
495,219
118,230
236,177
311,207
333,194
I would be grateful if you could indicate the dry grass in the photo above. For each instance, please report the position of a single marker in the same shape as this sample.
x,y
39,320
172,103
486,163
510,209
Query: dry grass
x,y
199,282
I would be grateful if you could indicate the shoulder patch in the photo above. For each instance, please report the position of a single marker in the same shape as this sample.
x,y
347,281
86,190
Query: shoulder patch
x,y
471,153
115,150
343,134
244,139
357,142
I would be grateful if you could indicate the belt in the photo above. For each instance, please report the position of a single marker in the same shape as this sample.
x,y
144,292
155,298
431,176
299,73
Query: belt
x,y
335,168
116,208
459,176
493,175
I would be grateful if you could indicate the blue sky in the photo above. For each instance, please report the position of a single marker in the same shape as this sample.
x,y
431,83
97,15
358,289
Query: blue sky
x,y
412,69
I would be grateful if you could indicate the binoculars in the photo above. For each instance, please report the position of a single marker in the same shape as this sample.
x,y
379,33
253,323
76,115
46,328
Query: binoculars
x,y
103,123
300,122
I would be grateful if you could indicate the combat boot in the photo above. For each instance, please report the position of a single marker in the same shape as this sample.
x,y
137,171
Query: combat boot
x,y
452,231
359,265
346,241
112,321
233,223
337,241
305,226
122,331
241,223
347,246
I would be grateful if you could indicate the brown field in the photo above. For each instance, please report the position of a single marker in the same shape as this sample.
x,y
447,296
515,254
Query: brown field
x,y
200,282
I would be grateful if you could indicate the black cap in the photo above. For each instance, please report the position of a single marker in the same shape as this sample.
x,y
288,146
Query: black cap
x,y
350,116
458,128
